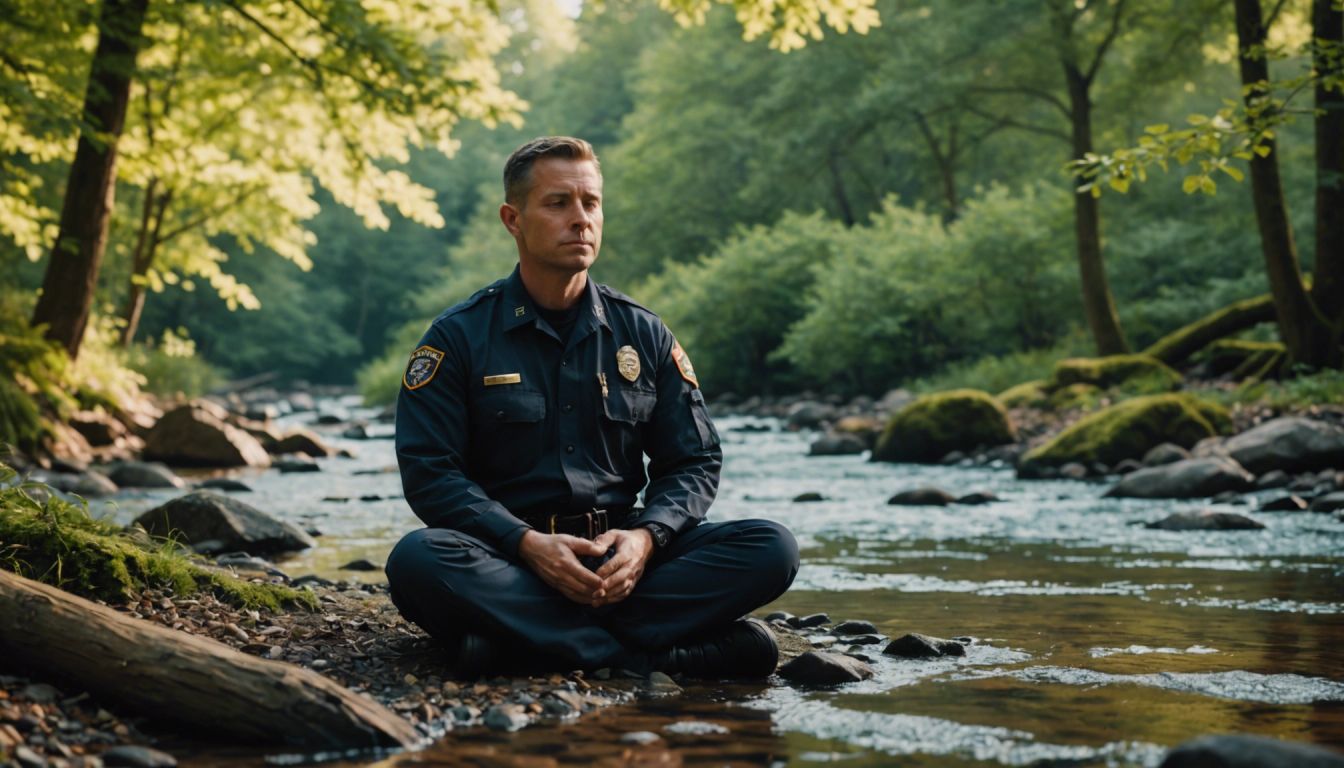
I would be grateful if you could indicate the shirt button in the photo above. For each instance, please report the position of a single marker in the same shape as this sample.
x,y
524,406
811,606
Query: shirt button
x,y
499,415
564,362
569,449
568,407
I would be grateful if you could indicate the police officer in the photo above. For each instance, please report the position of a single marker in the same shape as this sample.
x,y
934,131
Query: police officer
x,y
522,426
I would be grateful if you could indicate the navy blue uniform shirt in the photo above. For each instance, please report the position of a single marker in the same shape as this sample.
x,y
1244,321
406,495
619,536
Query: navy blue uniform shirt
x,y
498,418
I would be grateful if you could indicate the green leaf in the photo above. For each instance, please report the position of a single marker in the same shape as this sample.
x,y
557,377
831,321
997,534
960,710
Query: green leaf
x,y
1235,173
1190,185
1157,130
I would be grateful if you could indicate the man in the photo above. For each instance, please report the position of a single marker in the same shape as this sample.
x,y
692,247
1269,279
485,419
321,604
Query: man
x,y
522,425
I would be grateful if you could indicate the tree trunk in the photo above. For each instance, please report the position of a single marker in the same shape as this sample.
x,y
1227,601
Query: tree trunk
x,y
947,165
146,246
1303,332
202,684
72,272
1177,347
838,190
1098,304
1327,290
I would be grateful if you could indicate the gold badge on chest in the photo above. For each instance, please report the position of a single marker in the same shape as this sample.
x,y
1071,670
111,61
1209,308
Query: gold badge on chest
x,y
627,362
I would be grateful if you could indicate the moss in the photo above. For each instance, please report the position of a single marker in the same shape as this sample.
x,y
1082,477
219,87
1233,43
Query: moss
x,y
1129,429
21,422
935,425
58,543
1133,374
1077,396
1230,355
1025,394
1176,347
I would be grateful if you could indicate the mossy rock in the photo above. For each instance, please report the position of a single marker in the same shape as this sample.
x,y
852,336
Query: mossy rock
x,y
1028,393
1129,429
1134,374
1077,396
933,426
53,541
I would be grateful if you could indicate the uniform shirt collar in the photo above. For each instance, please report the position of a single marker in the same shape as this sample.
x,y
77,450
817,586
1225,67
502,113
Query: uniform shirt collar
x,y
519,309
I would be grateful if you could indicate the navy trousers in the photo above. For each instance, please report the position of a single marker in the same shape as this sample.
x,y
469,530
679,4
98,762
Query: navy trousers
x,y
450,583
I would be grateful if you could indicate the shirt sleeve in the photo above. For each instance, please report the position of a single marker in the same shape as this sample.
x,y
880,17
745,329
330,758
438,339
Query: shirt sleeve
x,y
685,457
431,443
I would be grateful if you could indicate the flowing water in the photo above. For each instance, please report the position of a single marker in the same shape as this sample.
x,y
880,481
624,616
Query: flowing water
x,y
1098,642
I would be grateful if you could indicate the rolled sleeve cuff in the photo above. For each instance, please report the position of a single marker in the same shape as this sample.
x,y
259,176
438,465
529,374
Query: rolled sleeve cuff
x,y
674,520
508,543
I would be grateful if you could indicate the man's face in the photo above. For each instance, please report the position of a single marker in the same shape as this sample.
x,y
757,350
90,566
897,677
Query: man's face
x,y
559,227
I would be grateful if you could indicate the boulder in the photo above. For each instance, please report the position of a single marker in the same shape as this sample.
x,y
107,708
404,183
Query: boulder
x,y
837,445
809,621
1275,478
975,498
922,497
223,484
198,434
1127,466
808,496
1165,453
866,428
854,627
935,425
87,484
1128,430
1330,502
915,646
1188,479
301,401
1291,443
823,668
203,516
1029,393
98,427
808,414
1289,503
140,474
1074,470
295,462
1245,751
1205,520
1134,373
302,441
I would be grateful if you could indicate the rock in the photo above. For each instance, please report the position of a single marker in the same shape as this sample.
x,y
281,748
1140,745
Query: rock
x,y
1275,478
975,498
809,621
1187,479
1164,453
361,565
1127,466
1244,751
357,432
952,459
301,401
783,616
263,412
1330,502
302,441
87,484
40,693
837,445
1205,520
1291,443
1128,430
201,516
854,627
694,728
934,425
140,474
808,496
128,756
823,668
1289,503
245,562
27,758
98,427
1029,393
857,640
641,738
1132,372
296,462
922,497
1228,497
1073,471
660,682
505,717
808,414
223,484
916,646
198,434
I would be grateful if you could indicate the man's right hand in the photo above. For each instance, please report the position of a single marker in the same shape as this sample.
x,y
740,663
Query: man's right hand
x,y
555,559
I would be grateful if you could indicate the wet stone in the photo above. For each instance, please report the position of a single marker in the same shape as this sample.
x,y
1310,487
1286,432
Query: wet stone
x,y
40,693
823,642
1242,751
1073,471
822,668
1275,478
975,498
1289,503
809,621
128,756
27,758
808,497
922,497
864,639
640,737
361,565
1331,502
659,682
916,646
783,616
854,627
1126,466
695,728
1205,520
505,717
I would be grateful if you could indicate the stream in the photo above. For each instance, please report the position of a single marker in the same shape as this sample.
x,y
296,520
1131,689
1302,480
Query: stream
x,y
1098,642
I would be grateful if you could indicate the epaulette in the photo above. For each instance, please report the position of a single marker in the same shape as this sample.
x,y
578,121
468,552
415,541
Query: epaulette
x,y
612,293
472,300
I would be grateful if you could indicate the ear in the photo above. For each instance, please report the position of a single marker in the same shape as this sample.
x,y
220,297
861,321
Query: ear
x,y
509,215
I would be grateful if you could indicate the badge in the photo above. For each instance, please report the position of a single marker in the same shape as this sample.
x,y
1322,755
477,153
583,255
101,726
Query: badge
x,y
683,362
627,362
424,364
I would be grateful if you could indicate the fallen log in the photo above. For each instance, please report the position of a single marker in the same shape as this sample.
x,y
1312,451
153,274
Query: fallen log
x,y
1177,347
189,680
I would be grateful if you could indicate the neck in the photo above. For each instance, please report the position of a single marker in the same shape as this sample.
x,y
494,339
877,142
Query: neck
x,y
552,290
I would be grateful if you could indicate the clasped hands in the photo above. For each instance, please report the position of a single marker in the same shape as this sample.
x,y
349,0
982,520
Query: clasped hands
x,y
555,559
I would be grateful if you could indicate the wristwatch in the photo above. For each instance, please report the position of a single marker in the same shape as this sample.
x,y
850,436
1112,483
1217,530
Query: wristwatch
x,y
661,535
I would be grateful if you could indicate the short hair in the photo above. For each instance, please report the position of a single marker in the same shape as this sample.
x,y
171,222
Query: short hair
x,y
518,168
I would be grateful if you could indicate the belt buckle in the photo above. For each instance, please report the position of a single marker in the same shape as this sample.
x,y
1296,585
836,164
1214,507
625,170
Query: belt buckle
x,y
598,523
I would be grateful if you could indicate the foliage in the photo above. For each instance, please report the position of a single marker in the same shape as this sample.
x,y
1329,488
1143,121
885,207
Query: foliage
x,y
34,378
170,365
1326,386
1129,429
57,542
997,373
935,425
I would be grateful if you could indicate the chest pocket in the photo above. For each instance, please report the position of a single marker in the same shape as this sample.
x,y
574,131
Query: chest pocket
x,y
507,430
629,405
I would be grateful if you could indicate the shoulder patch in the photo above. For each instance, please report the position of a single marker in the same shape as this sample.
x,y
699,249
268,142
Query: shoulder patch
x,y
683,362
424,364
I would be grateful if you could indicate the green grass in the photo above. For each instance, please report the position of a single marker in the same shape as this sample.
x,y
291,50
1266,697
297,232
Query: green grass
x,y
997,373
1320,388
59,543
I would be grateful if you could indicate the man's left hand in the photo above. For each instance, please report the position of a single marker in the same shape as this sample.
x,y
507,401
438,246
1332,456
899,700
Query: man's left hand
x,y
622,572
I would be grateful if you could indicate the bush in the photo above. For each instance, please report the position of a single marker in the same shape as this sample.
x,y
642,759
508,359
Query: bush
x,y
34,379
171,366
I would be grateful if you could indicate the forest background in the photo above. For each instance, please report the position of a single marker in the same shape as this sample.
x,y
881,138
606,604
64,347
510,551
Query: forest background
x,y
871,210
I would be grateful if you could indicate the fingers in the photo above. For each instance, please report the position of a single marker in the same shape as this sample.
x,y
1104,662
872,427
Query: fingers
x,y
606,539
584,547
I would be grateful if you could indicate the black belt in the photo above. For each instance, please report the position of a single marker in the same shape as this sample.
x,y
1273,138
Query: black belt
x,y
587,525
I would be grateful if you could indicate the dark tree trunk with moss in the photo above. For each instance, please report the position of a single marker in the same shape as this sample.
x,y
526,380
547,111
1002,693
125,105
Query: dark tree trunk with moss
x,y
1098,303
72,272
1301,327
1327,290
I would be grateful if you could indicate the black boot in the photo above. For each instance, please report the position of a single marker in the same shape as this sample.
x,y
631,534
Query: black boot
x,y
477,657
744,649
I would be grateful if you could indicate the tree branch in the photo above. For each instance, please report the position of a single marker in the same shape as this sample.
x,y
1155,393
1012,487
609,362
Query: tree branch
x,y
1044,95
1111,35
1010,123
1274,14
191,224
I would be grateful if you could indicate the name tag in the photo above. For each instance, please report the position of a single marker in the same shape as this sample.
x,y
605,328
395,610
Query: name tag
x,y
503,378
